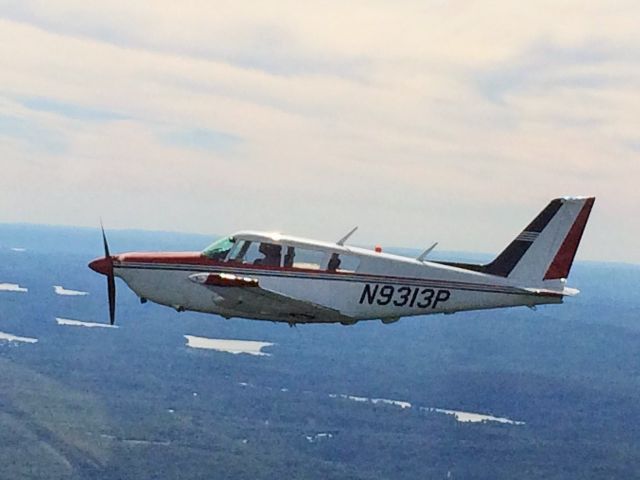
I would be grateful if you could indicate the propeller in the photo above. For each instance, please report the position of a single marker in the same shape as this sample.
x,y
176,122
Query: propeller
x,y
105,266
111,280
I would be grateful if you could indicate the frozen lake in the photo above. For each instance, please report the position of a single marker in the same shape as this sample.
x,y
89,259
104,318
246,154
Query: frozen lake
x,y
78,323
460,416
60,290
230,346
12,287
14,338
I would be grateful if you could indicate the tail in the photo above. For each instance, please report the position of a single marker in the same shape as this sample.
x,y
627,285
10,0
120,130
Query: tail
x,y
544,251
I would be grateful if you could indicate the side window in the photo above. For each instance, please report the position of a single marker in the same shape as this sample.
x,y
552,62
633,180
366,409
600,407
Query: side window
x,y
253,253
308,259
271,254
342,263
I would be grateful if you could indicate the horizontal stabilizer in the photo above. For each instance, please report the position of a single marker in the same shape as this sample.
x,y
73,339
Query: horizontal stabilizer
x,y
566,292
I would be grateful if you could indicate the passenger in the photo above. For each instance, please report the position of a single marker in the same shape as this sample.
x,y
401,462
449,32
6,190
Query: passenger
x,y
289,256
334,262
272,259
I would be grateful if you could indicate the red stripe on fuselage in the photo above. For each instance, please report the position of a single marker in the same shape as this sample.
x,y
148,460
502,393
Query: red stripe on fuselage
x,y
198,259
189,258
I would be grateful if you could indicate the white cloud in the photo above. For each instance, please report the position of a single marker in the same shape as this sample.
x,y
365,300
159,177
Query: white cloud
x,y
409,119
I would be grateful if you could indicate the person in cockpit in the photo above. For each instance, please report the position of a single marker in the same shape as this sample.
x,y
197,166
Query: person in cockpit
x,y
334,262
272,254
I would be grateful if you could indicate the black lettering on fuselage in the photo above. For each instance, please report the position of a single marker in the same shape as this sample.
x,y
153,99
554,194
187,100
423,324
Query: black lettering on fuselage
x,y
403,296
385,295
441,296
427,297
369,293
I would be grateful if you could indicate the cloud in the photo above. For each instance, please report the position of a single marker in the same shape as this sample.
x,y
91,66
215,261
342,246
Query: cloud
x,y
200,139
68,110
419,119
29,131
591,66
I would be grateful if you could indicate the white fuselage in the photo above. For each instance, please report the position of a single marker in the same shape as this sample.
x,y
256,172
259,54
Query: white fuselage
x,y
383,287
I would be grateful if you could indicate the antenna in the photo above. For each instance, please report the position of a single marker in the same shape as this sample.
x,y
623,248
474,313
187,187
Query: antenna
x,y
424,254
346,237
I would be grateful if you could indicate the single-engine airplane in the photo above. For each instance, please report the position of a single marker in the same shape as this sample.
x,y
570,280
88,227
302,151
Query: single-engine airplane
x,y
268,276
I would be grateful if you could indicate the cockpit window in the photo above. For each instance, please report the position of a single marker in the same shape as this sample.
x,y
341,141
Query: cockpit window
x,y
218,250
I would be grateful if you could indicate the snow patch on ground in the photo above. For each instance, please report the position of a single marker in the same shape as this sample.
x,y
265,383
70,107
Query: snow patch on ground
x,y
60,290
318,437
397,403
12,287
386,401
460,416
228,346
136,441
78,323
469,417
13,338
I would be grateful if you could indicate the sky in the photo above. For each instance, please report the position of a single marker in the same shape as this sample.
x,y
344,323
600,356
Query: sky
x,y
419,121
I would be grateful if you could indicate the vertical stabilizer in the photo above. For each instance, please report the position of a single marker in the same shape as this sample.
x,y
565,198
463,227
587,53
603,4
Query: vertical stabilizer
x,y
545,249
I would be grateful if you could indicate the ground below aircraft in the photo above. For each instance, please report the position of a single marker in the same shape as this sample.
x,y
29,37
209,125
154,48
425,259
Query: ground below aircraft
x,y
269,276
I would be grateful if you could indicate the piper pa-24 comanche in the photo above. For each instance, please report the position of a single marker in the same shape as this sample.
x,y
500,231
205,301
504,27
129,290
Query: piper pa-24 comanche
x,y
269,276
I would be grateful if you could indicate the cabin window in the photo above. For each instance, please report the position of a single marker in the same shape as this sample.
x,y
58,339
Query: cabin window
x,y
342,263
306,258
273,255
253,253
219,249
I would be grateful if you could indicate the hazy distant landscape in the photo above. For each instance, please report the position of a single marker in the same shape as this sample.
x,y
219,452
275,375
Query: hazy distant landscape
x,y
559,386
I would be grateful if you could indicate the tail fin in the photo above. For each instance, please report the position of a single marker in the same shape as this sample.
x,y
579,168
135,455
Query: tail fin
x,y
545,249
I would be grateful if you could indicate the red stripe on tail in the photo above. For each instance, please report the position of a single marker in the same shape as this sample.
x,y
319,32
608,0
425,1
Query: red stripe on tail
x,y
563,260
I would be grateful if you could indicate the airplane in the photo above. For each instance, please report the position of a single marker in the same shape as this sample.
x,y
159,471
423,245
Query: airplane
x,y
269,276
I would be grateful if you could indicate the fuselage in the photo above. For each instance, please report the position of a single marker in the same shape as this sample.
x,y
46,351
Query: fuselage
x,y
371,285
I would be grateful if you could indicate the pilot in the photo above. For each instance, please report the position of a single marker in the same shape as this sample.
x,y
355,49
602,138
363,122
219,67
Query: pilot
x,y
271,254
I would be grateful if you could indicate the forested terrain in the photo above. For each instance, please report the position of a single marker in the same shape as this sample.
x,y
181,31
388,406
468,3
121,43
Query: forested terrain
x,y
136,402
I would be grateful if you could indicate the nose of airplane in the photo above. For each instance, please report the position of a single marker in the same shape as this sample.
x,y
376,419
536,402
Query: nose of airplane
x,y
101,265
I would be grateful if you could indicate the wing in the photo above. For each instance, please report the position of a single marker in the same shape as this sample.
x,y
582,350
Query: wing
x,y
245,294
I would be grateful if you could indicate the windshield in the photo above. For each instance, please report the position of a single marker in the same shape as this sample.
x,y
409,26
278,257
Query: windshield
x,y
218,250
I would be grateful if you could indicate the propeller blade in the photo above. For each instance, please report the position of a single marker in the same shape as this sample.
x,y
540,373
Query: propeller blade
x,y
111,281
111,292
104,241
